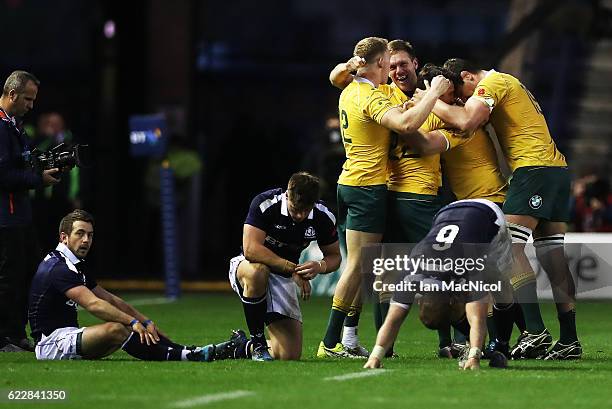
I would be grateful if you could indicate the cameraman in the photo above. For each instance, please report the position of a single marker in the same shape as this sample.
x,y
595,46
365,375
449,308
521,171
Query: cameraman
x,y
17,261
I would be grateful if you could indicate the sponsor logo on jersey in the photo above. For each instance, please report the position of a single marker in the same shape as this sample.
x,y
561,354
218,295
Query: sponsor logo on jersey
x,y
481,92
280,227
71,303
535,202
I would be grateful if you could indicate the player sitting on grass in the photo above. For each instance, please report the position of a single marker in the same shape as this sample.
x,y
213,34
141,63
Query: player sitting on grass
x,y
467,230
60,283
278,227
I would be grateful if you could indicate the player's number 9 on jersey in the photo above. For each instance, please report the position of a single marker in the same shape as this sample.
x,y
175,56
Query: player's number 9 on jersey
x,y
445,237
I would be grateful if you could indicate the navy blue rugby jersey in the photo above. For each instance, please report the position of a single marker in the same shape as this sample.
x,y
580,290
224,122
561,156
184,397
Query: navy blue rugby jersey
x,y
49,308
285,237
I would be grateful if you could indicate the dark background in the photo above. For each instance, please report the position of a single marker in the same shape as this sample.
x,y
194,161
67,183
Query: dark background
x,y
244,85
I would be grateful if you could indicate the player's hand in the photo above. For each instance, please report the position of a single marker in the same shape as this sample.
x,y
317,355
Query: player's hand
x,y
439,85
49,176
472,364
152,329
309,269
145,337
373,363
408,104
304,286
355,63
418,95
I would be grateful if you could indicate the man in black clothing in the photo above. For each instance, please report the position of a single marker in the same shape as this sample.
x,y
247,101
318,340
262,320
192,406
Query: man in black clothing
x,y
16,233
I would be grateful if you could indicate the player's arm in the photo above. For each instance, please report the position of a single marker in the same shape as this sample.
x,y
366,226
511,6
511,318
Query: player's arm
x,y
387,334
476,313
119,303
426,143
341,76
468,118
410,120
330,262
106,311
255,251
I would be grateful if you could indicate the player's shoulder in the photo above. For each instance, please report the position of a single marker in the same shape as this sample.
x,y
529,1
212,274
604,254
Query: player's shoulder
x,y
322,212
496,79
266,200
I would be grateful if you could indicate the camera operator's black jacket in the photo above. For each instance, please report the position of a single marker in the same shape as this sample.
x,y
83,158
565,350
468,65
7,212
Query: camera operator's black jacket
x,y
16,177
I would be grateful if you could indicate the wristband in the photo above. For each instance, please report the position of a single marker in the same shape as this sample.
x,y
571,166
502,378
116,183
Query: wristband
x,y
474,353
146,322
133,322
323,269
378,352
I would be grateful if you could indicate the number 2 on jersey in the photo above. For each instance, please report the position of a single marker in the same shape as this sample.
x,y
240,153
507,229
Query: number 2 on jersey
x,y
344,124
445,237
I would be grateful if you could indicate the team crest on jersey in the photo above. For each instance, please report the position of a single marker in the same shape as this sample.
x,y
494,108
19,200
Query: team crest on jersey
x,y
535,202
481,92
310,233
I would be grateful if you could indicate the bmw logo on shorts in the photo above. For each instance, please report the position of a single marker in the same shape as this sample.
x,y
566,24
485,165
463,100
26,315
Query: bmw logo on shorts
x,y
535,202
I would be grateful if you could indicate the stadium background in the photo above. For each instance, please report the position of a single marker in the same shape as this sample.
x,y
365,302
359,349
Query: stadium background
x,y
245,91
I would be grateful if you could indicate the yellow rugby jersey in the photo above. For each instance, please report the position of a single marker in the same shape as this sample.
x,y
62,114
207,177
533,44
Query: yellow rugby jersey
x,y
366,141
518,122
409,171
471,167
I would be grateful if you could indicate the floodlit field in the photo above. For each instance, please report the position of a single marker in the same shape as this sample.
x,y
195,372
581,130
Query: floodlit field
x,y
418,379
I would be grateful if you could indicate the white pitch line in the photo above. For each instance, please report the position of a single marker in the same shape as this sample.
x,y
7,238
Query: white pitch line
x,y
206,399
354,375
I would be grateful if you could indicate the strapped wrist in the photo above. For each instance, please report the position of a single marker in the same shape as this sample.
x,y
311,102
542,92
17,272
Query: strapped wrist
x,y
378,352
133,322
147,322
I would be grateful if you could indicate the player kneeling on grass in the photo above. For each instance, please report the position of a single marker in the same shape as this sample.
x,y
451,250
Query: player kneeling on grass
x,y
278,227
465,230
60,283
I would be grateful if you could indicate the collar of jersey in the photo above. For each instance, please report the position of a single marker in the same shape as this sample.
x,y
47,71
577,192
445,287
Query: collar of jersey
x,y
66,252
491,71
285,211
361,79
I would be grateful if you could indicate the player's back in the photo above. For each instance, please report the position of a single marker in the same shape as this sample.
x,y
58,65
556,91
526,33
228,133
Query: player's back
x,y
518,121
366,142
472,169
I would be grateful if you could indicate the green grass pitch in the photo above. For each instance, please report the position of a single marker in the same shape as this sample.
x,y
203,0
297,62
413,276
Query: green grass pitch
x,y
417,379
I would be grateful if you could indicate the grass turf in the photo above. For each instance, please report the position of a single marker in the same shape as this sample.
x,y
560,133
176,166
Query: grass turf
x,y
418,377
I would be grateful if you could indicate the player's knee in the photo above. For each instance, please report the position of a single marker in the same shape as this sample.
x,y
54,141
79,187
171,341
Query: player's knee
x,y
117,332
289,355
255,279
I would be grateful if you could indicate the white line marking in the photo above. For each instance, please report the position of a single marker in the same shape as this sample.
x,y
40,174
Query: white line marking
x,y
215,397
353,375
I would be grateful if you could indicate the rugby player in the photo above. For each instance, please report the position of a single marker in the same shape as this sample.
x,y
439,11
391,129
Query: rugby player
x,y
537,200
467,228
367,117
412,181
61,282
470,164
278,227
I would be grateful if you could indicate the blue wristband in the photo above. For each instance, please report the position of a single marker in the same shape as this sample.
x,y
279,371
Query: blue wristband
x,y
134,321
147,322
